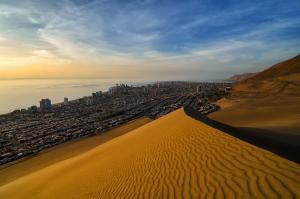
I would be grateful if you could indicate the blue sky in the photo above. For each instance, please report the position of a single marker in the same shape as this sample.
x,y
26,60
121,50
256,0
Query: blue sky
x,y
185,40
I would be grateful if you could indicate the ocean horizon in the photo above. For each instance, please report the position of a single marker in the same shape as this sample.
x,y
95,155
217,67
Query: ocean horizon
x,y
23,93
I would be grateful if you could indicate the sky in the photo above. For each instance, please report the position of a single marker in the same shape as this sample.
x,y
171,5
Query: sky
x,y
145,39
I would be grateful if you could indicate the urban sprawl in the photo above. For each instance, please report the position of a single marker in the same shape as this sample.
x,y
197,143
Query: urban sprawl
x,y
28,131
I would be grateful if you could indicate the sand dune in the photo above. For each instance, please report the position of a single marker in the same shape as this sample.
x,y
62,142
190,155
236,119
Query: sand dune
x,y
172,157
279,114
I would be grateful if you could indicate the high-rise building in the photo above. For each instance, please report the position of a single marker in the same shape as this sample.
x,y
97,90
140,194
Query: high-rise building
x,y
45,104
88,101
97,94
66,101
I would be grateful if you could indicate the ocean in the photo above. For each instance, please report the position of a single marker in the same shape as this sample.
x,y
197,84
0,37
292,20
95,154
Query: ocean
x,y
23,93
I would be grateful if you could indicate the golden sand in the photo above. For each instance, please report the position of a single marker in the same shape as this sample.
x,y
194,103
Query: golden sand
x,y
63,151
174,156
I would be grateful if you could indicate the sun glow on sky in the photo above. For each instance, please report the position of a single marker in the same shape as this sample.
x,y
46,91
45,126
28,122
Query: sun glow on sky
x,y
183,40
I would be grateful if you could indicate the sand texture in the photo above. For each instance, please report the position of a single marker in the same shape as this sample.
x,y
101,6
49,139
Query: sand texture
x,y
172,157
278,114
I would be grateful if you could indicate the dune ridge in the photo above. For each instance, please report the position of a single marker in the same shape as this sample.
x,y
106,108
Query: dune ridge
x,y
240,77
172,157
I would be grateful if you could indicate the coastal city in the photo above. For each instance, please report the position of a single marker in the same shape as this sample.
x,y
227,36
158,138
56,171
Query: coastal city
x,y
26,132
149,99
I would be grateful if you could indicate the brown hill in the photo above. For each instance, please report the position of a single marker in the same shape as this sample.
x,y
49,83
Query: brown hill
x,y
241,77
288,67
282,78
270,100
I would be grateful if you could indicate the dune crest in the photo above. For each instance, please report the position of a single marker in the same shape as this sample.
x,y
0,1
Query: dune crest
x,y
174,156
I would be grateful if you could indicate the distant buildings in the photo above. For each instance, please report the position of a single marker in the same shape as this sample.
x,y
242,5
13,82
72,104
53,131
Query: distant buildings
x,y
119,89
97,94
45,104
155,92
33,109
88,101
26,132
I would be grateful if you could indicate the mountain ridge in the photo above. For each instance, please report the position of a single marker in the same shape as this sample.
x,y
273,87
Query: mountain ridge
x,y
282,78
240,77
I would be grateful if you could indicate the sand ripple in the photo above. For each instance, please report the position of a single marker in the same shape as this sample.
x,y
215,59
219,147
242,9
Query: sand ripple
x,y
173,157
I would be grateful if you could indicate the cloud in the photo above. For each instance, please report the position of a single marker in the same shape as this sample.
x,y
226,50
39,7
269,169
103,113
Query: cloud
x,y
43,53
3,39
144,38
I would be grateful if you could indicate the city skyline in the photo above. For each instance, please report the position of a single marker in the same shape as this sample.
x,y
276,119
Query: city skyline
x,y
149,40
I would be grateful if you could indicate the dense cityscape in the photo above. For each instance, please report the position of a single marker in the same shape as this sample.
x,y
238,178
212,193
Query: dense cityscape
x,y
28,131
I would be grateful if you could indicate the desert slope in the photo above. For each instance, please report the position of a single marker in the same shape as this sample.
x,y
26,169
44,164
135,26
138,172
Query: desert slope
x,y
280,79
270,100
174,156
284,68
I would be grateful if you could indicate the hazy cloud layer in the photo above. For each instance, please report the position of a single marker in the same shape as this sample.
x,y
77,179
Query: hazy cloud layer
x,y
150,39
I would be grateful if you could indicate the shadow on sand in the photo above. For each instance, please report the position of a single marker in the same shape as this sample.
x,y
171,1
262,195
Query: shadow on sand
x,y
283,144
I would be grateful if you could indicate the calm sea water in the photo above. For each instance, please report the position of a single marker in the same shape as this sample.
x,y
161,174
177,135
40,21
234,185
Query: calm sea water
x,y
22,93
